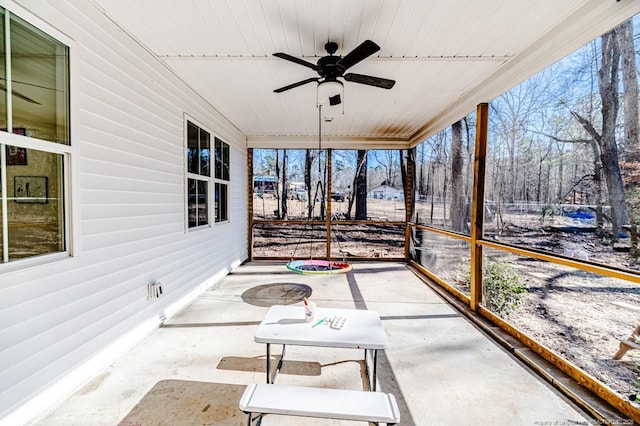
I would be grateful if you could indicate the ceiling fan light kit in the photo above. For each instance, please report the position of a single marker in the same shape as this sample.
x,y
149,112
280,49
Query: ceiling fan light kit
x,y
330,92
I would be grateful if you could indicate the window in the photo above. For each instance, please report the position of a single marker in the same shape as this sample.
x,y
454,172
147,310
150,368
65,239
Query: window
x,y
222,181
199,179
32,181
198,175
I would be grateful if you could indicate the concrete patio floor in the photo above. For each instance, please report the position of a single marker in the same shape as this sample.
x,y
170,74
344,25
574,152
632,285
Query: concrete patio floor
x,y
441,368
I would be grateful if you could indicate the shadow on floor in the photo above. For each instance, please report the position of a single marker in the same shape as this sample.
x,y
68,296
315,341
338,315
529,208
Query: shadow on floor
x,y
188,402
258,364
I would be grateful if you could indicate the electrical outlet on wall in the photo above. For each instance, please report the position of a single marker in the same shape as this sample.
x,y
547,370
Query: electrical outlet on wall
x,y
154,290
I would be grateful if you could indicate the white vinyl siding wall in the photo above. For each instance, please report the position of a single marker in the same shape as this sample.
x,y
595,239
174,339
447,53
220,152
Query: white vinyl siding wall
x,y
128,212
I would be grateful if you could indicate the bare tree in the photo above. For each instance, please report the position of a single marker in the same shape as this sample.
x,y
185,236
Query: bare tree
x,y
458,212
387,159
422,190
285,193
608,88
277,188
629,71
309,158
360,186
631,124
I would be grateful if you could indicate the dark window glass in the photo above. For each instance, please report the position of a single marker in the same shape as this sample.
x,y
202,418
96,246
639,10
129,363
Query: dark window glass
x,y
39,83
221,202
197,203
222,160
35,207
193,161
198,150
205,153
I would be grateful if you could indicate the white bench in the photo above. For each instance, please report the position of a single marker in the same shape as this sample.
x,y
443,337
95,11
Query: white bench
x,y
339,404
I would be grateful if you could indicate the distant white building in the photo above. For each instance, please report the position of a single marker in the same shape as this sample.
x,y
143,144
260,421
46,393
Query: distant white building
x,y
386,192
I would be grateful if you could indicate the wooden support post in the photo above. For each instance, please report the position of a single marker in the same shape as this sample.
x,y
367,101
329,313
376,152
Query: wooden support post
x,y
477,206
250,200
409,198
329,202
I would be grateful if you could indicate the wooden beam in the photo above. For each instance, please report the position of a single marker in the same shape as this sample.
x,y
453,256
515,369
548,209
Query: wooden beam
x,y
409,197
329,201
477,206
250,200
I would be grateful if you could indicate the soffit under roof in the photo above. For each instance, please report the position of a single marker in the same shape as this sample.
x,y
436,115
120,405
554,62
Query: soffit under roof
x,y
446,56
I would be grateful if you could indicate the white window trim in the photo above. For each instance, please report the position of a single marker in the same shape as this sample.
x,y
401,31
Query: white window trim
x,y
211,179
71,174
224,182
187,176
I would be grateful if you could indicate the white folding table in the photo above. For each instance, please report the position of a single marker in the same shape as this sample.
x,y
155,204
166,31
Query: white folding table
x,y
286,325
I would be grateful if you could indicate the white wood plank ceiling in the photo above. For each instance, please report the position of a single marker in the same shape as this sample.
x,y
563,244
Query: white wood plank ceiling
x,y
445,56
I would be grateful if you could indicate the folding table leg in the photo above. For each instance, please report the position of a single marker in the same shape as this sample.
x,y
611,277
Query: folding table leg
x,y
258,418
268,363
279,365
373,371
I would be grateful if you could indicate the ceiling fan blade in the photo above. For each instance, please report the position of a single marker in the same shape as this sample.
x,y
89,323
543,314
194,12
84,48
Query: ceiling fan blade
x,y
369,80
299,61
363,51
299,83
24,97
20,95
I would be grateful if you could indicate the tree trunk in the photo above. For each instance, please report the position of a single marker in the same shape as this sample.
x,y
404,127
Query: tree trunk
x,y
285,193
422,186
631,119
608,86
512,166
458,216
361,186
431,188
630,93
597,183
539,183
559,191
277,188
322,184
308,162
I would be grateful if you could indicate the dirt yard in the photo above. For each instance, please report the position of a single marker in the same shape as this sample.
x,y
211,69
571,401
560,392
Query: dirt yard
x,y
579,315
583,316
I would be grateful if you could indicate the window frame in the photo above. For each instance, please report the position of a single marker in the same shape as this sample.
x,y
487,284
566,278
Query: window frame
x,y
69,191
221,181
196,176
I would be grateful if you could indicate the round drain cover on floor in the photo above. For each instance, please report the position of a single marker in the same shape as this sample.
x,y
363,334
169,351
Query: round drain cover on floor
x,y
276,294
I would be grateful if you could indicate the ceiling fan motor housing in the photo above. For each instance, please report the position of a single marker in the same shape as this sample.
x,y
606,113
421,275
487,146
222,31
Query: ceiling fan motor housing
x,y
330,69
331,47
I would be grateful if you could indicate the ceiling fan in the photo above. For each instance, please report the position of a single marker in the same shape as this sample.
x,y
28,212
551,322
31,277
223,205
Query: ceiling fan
x,y
330,67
